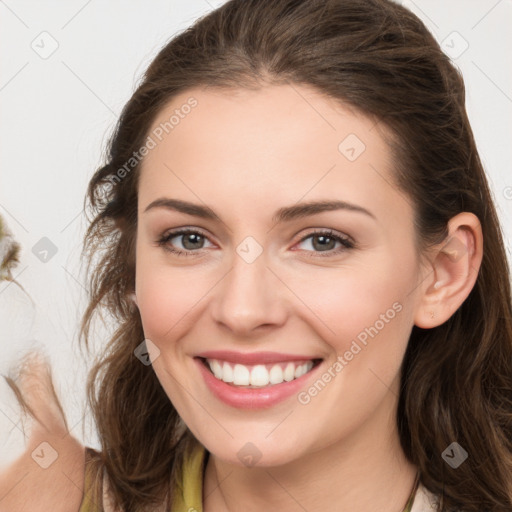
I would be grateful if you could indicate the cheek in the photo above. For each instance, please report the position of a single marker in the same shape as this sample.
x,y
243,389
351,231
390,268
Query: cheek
x,y
362,306
365,322
166,296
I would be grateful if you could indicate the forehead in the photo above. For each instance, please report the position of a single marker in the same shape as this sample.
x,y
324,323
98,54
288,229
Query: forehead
x,y
277,144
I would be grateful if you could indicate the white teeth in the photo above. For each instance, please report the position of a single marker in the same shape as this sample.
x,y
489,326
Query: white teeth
x,y
227,373
216,369
300,371
289,372
276,375
240,375
259,375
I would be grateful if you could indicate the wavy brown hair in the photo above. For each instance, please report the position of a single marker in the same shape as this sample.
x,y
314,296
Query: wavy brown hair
x,y
378,58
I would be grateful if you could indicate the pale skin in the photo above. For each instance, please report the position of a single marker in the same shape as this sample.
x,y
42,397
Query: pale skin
x,y
246,154
25,485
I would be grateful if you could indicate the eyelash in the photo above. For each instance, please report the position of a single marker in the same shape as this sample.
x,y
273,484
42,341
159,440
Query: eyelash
x,y
346,242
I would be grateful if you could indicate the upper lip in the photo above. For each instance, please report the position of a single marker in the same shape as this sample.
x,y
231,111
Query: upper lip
x,y
252,358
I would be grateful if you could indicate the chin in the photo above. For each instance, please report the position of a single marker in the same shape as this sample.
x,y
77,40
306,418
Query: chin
x,y
260,452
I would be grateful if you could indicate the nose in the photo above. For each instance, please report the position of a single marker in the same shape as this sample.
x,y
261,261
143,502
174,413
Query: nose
x,y
250,298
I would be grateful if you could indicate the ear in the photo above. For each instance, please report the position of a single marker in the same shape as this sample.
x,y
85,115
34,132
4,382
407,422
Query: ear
x,y
133,298
454,268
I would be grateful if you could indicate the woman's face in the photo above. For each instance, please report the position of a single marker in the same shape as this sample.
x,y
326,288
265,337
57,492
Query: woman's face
x,y
267,287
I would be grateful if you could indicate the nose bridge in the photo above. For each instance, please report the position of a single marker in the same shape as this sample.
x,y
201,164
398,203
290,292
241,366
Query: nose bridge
x,y
249,295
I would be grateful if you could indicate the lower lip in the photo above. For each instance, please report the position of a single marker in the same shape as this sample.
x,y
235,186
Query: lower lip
x,y
252,398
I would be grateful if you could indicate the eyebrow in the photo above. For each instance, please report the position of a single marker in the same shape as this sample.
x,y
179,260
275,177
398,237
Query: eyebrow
x,y
284,214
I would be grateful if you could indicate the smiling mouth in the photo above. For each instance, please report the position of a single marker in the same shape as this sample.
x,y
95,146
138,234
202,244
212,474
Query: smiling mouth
x,y
259,375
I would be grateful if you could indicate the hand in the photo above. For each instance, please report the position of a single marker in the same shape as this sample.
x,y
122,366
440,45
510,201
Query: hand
x,y
49,475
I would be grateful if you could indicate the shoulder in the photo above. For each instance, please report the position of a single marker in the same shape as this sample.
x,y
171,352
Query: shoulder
x,y
186,493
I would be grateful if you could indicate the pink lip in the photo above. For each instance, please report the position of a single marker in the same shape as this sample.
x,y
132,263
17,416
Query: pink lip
x,y
252,398
253,358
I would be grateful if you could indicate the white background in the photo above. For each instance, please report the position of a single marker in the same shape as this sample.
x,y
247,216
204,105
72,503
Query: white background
x,y
58,111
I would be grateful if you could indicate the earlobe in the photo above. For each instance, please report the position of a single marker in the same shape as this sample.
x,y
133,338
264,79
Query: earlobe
x,y
455,267
133,298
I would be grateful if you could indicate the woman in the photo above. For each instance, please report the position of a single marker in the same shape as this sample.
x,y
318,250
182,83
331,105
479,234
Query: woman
x,y
296,238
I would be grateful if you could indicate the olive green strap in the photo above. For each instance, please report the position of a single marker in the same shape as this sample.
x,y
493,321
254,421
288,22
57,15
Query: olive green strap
x,y
410,501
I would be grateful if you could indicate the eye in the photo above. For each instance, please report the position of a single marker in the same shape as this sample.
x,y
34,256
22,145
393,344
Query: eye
x,y
191,240
324,241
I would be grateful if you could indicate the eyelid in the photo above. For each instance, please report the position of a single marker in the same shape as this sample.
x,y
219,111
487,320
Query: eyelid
x,y
184,230
328,232
346,241
164,239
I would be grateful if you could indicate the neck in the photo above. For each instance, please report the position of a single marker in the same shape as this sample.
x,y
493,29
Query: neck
x,y
366,471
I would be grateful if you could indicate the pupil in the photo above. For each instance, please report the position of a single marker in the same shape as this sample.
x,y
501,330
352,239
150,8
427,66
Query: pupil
x,y
322,239
194,238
